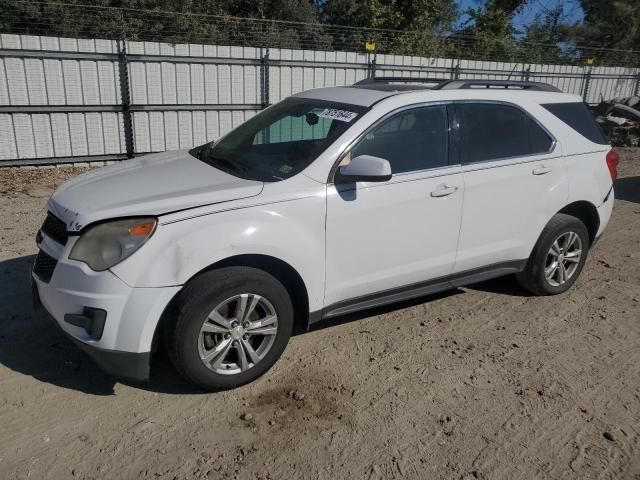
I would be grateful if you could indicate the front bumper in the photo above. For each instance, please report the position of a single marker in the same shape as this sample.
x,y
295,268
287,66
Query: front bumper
x,y
129,365
126,365
122,344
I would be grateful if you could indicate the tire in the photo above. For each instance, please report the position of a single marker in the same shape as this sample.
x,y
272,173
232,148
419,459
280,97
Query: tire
x,y
534,278
193,350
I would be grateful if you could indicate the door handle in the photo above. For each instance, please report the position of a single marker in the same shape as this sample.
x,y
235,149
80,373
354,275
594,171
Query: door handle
x,y
443,191
541,170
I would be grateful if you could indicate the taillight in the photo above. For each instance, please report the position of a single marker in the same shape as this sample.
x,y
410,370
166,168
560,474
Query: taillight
x,y
612,163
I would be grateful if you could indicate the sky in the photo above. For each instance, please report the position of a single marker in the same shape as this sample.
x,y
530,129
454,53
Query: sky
x,y
572,10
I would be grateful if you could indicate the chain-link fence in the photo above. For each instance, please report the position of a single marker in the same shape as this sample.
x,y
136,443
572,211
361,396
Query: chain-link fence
x,y
109,83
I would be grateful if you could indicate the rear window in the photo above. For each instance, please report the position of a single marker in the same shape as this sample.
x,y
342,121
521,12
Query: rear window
x,y
491,131
578,116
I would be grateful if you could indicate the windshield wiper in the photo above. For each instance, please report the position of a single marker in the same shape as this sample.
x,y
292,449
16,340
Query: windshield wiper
x,y
227,163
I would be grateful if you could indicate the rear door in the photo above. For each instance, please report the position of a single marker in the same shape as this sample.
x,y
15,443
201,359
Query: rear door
x,y
515,181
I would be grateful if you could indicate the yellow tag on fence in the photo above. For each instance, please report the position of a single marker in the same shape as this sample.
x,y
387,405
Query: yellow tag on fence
x,y
589,61
370,46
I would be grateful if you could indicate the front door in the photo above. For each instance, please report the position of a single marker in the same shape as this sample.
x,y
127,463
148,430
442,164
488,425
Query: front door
x,y
400,233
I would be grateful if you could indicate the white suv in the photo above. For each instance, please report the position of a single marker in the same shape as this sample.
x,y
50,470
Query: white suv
x,y
331,201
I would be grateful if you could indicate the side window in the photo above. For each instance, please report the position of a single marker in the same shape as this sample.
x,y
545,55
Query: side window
x,y
539,140
491,131
415,139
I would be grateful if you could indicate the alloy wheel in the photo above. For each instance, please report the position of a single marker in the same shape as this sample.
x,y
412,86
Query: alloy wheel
x,y
563,259
238,334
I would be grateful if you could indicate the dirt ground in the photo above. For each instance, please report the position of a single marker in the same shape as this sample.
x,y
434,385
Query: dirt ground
x,y
482,382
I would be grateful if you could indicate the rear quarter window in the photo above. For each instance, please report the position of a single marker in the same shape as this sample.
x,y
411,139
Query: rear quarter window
x,y
578,116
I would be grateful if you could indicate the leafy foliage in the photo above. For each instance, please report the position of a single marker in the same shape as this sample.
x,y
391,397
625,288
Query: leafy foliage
x,y
490,31
612,24
414,27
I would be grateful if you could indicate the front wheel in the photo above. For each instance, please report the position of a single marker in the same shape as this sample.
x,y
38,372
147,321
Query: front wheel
x,y
557,258
233,325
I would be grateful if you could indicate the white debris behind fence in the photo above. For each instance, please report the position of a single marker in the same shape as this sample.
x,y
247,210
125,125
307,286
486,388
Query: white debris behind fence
x,y
63,82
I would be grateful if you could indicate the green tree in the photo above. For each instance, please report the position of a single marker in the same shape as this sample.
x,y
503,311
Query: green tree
x,y
288,10
437,15
197,21
396,26
488,32
610,24
546,38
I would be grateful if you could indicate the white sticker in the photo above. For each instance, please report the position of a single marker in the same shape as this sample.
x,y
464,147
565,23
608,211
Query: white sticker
x,y
342,115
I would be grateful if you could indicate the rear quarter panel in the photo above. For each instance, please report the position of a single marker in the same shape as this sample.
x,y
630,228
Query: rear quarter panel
x,y
587,171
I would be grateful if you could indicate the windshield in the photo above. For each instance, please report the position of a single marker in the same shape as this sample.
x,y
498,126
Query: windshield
x,y
280,141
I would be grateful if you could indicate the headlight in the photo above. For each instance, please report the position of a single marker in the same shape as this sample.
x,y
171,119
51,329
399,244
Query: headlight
x,y
107,244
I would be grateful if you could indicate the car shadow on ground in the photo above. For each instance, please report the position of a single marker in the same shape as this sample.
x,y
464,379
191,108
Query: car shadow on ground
x,y
507,285
628,189
31,343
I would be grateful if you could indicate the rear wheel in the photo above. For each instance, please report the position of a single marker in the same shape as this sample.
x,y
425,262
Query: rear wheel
x,y
233,325
557,258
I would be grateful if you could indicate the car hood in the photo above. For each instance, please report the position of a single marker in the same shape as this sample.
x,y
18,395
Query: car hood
x,y
150,185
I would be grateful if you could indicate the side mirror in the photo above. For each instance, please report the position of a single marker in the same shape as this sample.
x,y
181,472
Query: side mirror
x,y
365,168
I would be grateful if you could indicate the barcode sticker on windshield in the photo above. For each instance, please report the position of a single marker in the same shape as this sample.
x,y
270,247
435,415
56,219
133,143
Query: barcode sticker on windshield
x,y
342,115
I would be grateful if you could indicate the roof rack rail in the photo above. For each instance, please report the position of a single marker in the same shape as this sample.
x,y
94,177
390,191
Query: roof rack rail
x,y
373,80
463,84
469,84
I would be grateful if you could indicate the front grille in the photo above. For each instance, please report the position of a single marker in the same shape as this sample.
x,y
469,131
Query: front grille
x,y
44,266
55,228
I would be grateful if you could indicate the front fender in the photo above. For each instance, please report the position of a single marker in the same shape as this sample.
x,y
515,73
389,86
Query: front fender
x,y
292,231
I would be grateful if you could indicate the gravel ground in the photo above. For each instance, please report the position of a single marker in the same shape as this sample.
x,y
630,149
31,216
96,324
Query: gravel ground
x,y
482,382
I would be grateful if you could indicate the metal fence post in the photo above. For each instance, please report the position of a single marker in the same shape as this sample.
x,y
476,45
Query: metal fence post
x,y
264,79
585,85
526,73
264,90
455,69
125,94
371,66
